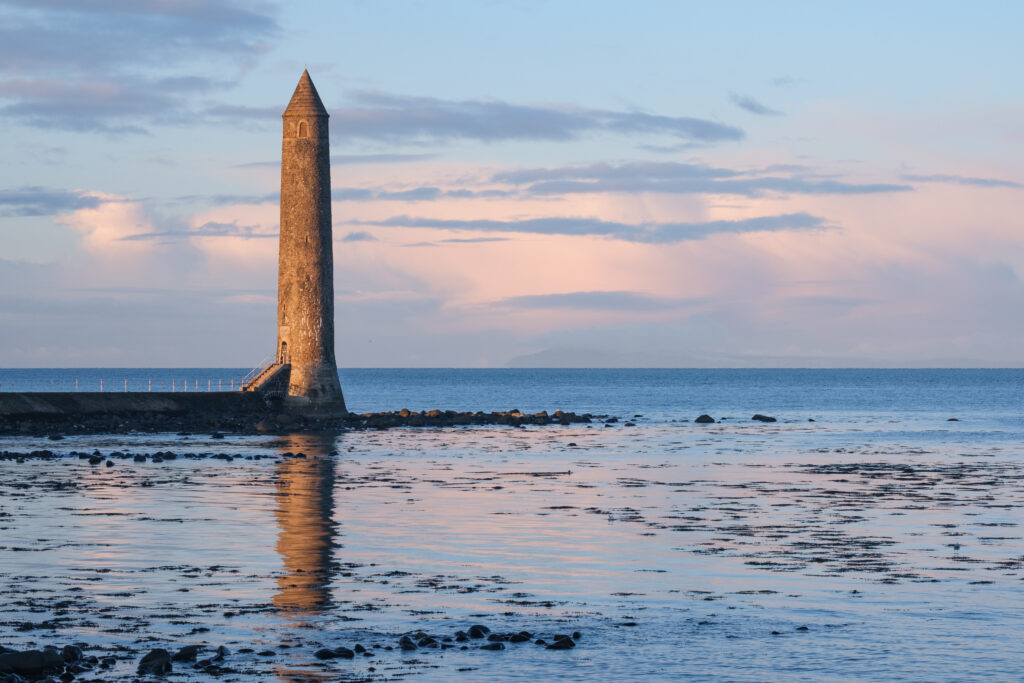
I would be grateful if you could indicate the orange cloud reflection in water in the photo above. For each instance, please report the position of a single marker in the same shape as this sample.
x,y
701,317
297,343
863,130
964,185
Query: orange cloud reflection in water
x,y
305,507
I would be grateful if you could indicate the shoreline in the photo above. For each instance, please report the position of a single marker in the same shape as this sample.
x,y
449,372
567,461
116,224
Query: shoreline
x,y
266,420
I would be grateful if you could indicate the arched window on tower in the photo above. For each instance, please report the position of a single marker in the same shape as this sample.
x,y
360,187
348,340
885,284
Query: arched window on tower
x,y
303,130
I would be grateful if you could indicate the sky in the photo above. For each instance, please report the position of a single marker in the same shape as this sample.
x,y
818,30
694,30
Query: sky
x,y
520,184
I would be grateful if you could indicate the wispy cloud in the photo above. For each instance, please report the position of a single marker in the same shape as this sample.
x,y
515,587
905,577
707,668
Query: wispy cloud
x,y
209,229
351,160
751,105
79,65
358,237
227,199
618,301
473,240
75,36
961,180
651,233
43,201
678,178
392,118
426,193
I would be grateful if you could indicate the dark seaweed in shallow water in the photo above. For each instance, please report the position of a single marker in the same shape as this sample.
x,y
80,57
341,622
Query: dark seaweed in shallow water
x,y
749,545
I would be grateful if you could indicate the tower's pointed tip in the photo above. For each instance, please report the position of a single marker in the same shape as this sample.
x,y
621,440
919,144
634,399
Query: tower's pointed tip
x,y
305,100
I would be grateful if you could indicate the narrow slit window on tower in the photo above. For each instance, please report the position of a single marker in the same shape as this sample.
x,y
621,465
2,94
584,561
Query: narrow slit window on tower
x,y
303,130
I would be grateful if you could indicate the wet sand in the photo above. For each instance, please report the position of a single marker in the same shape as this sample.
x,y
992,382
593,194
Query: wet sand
x,y
739,550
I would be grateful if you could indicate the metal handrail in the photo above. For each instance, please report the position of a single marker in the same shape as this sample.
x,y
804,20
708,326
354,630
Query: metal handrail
x,y
259,368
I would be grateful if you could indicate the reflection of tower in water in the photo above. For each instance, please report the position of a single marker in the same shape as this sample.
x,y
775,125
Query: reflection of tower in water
x,y
305,507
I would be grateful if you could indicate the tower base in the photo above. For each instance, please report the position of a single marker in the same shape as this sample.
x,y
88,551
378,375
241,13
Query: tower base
x,y
302,405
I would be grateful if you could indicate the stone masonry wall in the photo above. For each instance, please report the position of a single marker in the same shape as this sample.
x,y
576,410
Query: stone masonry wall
x,y
305,259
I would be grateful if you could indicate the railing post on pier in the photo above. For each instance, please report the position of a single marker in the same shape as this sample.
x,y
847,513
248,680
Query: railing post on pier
x,y
101,385
172,385
76,384
126,385
150,385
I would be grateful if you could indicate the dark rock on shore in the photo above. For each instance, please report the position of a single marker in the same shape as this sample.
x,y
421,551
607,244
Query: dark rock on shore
x,y
704,419
478,631
562,643
493,646
31,662
156,661
187,653
72,654
763,418
336,653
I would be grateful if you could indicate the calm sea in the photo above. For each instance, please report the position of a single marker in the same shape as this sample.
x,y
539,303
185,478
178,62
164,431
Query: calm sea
x,y
656,393
864,536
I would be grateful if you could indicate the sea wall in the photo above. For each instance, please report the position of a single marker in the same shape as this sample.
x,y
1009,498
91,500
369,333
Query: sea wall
x,y
55,414
70,404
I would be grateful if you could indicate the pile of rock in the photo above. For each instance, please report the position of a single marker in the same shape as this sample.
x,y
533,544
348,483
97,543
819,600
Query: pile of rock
x,y
67,663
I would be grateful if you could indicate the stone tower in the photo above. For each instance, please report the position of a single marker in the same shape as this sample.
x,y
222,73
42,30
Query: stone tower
x,y
305,276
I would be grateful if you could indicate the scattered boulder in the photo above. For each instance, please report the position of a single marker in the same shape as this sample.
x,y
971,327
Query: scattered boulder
x,y
478,631
763,418
344,653
562,643
156,661
325,653
72,654
493,646
31,662
406,644
704,419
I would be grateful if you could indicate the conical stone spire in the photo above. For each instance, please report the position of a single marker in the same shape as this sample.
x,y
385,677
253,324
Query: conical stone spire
x,y
305,100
